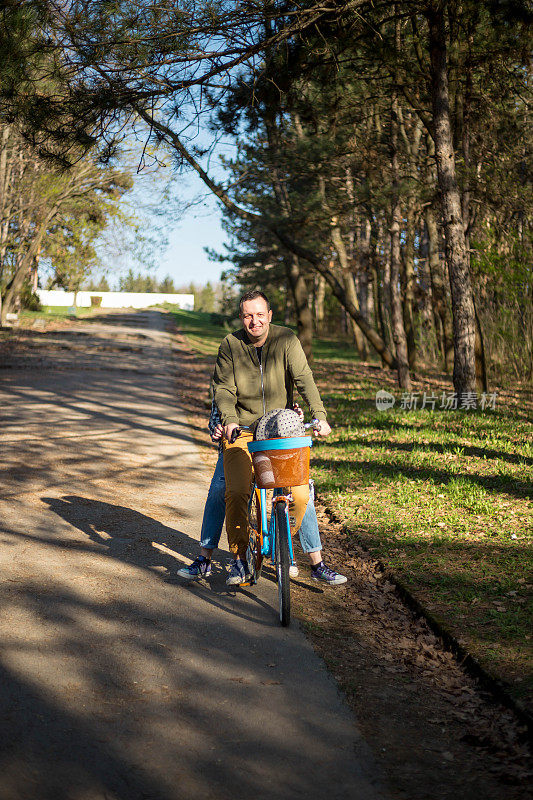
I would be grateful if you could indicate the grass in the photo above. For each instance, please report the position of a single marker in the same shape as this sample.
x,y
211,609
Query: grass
x,y
57,313
49,313
330,348
443,498
202,334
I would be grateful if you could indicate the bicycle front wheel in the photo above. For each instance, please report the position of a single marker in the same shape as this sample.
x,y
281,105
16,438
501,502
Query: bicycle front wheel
x,y
283,563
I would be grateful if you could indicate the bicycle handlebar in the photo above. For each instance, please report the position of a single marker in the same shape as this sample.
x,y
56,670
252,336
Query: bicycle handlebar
x,y
236,431
315,424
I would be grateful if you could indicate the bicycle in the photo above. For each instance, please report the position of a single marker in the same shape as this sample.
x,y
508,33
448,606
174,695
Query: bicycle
x,y
278,464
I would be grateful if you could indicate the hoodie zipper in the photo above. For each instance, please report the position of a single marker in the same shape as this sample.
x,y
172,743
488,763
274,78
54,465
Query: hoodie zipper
x,y
262,384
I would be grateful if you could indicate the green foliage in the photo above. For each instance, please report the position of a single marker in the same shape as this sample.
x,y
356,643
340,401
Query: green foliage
x,y
20,52
72,238
204,300
139,282
55,216
167,285
28,299
317,155
312,122
502,267
102,285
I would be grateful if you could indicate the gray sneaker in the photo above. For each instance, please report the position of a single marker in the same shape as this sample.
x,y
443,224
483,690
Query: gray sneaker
x,y
238,572
324,574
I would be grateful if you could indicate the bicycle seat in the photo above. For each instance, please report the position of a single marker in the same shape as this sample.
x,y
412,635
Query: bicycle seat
x,y
279,423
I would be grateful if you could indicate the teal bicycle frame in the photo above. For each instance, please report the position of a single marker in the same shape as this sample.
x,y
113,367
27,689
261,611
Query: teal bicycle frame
x,y
279,549
269,531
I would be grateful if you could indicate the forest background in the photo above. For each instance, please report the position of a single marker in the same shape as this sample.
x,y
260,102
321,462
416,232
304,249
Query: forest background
x,y
379,186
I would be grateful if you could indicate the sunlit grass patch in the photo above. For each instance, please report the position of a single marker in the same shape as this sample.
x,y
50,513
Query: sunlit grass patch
x,y
444,499
50,312
203,334
463,493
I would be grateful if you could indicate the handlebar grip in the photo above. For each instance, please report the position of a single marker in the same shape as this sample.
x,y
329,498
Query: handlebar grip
x,y
315,424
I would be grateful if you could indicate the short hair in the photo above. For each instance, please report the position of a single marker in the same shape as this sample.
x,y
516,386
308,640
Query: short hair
x,y
253,295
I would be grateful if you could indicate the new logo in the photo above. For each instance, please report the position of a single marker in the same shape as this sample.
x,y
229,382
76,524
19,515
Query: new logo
x,y
384,400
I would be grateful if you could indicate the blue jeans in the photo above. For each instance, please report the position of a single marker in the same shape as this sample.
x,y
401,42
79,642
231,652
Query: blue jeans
x,y
215,512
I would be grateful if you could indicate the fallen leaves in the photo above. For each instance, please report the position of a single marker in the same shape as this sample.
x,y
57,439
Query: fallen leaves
x,y
382,638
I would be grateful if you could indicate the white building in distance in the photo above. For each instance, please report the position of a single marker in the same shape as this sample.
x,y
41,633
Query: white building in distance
x,y
58,297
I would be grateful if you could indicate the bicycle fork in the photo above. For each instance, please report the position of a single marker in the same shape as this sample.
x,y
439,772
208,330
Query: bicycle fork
x,y
269,542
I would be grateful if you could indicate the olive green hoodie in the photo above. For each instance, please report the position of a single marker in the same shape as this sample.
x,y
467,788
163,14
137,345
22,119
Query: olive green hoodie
x,y
245,387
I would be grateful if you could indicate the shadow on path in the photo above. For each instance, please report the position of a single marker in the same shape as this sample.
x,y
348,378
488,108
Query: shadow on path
x,y
134,538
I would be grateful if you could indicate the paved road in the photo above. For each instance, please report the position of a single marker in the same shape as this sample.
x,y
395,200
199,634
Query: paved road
x,y
118,681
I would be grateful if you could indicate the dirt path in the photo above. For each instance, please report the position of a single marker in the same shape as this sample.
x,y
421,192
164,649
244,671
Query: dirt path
x,y
118,680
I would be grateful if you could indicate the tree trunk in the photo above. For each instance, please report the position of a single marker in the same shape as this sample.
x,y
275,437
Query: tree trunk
x,y
359,340
4,216
23,261
480,353
398,330
14,286
34,270
337,290
385,294
481,361
300,293
378,304
438,289
408,263
349,288
320,296
424,281
364,272
289,297
411,139
464,368
347,275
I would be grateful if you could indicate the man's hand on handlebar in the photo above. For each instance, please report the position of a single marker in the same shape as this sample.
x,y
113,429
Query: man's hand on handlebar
x,y
228,430
322,429
320,426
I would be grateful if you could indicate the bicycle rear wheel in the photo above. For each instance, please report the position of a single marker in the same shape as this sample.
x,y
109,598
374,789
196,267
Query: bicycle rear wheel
x,y
282,534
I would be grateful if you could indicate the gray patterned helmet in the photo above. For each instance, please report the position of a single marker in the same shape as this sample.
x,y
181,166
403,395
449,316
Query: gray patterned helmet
x,y
282,422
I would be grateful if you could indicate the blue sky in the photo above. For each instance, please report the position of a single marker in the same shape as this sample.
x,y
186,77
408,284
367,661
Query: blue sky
x,y
189,219
185,259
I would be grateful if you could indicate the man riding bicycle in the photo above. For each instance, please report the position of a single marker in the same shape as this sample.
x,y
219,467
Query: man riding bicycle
x,y
215,514
256,370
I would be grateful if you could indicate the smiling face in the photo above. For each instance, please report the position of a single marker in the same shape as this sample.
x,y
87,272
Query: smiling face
x,y
256,317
